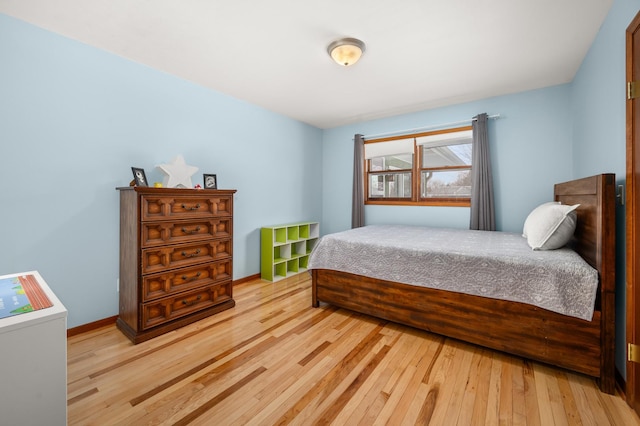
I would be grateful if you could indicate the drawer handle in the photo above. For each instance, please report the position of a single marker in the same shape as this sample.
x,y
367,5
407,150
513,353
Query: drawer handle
x,y
192,231
196,207
184,302
197,252
195,277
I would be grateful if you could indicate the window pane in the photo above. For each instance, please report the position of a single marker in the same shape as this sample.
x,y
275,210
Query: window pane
x,y
449,184
448,155
391,162
390,185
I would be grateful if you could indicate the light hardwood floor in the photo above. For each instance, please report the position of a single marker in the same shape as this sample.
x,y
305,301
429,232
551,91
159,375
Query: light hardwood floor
x,y
273,359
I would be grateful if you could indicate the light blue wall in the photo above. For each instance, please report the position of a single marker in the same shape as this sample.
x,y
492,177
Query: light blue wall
x,y
530,147
74,119
599,119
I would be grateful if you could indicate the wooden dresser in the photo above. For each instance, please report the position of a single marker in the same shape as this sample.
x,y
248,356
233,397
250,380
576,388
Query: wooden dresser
x,y
176,258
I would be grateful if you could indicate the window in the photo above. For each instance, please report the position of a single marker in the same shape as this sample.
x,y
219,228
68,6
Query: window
x,y
432,168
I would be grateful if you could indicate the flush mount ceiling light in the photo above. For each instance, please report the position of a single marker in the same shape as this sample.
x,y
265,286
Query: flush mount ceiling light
x,y
346,51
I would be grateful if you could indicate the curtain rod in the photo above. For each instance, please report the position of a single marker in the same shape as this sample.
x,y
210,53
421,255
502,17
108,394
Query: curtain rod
x,y
421,129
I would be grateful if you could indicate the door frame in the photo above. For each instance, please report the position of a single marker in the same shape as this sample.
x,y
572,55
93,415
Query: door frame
x,y
632,391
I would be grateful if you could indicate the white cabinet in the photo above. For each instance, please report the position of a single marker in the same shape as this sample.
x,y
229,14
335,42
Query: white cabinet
x,y
33,362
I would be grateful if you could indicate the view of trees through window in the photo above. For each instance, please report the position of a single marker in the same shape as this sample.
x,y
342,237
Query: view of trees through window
x,y
446,171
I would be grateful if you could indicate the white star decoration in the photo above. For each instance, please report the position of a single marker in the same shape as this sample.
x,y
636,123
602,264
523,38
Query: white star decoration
x,y
178,173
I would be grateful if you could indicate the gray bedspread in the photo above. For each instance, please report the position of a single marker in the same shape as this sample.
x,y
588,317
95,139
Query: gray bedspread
x,y
499,265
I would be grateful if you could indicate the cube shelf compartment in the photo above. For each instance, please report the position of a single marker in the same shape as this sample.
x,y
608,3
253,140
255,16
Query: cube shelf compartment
x,y
285,249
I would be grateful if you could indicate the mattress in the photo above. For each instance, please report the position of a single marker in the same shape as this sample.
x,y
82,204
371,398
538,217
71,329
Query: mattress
x,y
498,265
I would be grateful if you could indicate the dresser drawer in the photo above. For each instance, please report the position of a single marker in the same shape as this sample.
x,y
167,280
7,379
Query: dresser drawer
x,y
157,207
163,233
167,309
165,284
164,258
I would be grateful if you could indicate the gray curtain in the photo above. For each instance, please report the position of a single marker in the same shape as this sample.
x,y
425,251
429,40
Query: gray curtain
x,y
482,210
357,208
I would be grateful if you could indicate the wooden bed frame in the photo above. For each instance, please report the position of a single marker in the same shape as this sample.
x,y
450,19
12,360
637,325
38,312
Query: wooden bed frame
x,y
582,346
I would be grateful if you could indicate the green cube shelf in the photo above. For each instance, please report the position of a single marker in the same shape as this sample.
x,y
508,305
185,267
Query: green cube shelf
x,y
285,249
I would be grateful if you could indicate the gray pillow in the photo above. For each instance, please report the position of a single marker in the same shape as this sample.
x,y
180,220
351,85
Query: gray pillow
x,y
550,226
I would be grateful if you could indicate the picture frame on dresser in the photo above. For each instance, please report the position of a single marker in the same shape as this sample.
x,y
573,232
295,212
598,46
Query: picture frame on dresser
x,y
210,181
139,177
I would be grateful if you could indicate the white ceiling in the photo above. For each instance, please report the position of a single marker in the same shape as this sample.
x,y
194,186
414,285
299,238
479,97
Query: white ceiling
x,y
420,54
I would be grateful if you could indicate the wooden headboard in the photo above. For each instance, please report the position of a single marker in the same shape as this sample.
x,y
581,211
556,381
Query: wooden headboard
x,y
595,241
594,238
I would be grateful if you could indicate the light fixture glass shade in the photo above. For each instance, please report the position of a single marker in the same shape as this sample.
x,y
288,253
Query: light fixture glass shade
x,y
346,51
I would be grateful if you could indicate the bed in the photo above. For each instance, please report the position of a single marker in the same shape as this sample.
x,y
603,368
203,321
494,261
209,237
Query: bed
x,y
582,343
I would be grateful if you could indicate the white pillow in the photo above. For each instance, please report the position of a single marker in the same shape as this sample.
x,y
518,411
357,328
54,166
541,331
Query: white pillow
x,y
550,226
